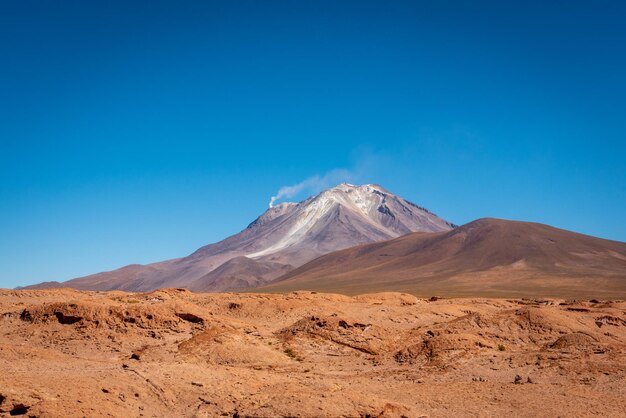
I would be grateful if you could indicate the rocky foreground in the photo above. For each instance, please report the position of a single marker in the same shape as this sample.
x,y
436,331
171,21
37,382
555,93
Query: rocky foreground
x,y
175,353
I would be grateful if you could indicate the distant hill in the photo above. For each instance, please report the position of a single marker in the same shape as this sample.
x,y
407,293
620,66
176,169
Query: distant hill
x,y
487,257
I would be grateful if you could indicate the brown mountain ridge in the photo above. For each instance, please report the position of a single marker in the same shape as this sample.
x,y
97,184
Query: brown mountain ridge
x,y
486,257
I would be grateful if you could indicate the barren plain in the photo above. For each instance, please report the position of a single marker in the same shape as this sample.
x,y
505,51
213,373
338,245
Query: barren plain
x,y
175,353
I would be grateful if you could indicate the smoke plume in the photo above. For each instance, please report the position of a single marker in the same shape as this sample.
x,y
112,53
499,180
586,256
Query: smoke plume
x,y
313,184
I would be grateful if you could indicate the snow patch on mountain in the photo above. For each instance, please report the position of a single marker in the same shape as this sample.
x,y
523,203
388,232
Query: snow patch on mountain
x,y
363,201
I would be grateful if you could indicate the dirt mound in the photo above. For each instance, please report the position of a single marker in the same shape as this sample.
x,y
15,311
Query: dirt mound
x,y
112,316
389,298
529,327
529,324
576,341
442,348
229,346
363,337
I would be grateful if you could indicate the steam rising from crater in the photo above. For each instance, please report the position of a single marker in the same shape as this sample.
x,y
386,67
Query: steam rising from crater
x,y
313,184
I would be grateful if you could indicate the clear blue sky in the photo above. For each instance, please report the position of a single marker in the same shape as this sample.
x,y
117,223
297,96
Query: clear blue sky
x,y
134,132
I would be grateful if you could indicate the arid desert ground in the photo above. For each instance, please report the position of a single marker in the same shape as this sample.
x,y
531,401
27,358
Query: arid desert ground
x,y
176,353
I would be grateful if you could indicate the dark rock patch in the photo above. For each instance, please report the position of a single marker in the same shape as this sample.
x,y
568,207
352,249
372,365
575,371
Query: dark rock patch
x,y
578,309
190,318
67,319
19,409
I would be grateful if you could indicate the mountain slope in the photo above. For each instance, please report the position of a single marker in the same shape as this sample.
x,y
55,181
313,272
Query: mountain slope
x,y
283,237
487,257
239,273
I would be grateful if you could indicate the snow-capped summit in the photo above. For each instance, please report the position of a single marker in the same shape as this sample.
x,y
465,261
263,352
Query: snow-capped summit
x,y
285,236
348,215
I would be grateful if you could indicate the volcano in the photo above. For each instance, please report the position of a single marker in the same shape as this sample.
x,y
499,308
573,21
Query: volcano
x,y
281,239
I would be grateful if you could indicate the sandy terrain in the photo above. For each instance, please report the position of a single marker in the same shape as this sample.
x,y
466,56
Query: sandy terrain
x,y
175,353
